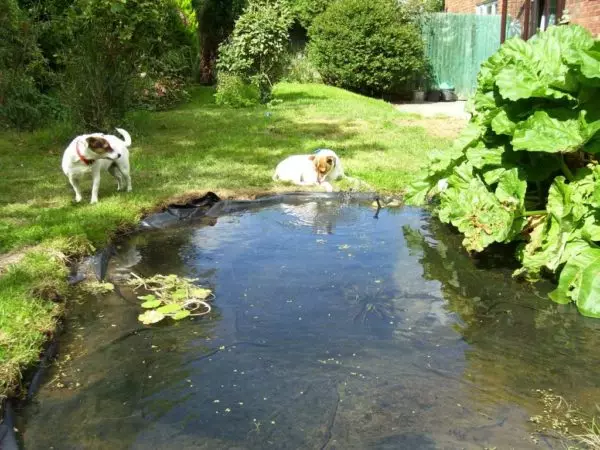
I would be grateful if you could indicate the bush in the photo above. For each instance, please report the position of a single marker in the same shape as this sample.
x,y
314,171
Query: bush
x,y
257,48
305,11
22,69
300,69
22,106
233,90
526,168
366,47
111,43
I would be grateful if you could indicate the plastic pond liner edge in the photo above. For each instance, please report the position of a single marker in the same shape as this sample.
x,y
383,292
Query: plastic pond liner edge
x,y
174,214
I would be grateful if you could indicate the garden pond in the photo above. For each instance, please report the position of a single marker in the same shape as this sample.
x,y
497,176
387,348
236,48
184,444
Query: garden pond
x,y
333,326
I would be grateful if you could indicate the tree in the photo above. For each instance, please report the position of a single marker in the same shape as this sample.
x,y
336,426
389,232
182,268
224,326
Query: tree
x,y
216,19
257,48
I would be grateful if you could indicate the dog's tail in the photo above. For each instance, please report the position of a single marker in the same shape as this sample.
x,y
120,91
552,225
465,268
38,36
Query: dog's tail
x,y
125,134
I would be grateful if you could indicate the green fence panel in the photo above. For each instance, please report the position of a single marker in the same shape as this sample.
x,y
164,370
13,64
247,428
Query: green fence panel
x,y
456,45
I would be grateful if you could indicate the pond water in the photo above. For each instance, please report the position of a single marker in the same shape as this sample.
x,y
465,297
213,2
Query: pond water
x,y
331,329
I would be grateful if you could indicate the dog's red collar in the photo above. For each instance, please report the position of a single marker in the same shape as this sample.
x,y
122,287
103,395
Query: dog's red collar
x,y
83,159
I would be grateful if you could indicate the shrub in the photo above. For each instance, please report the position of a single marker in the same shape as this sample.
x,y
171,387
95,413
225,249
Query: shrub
x,y
526,169
300,69
366,47
305,11
233,90
257,48
111,43
22,69
22,105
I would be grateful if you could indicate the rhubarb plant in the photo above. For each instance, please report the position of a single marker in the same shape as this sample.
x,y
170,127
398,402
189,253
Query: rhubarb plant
x,y
526,167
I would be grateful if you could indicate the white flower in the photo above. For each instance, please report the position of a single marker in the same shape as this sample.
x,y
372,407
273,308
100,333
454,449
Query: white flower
x,y
143,75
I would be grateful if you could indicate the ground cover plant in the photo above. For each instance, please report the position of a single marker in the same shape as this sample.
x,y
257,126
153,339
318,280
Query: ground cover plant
x,y
526,170
197,147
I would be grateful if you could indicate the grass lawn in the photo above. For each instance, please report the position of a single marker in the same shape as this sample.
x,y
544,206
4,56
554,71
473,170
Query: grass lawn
x,y
197,147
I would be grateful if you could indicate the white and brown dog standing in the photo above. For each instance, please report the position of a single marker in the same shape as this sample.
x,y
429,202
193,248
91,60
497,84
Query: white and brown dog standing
x,y
94,153
320,168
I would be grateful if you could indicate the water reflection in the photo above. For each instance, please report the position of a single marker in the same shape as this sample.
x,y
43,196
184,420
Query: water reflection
x,y
519,340
331,330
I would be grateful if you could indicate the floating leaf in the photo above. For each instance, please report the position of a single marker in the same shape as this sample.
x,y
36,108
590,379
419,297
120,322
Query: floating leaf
x,y
151,304
170,308
148,297
181,314
150,317
200,293
179,294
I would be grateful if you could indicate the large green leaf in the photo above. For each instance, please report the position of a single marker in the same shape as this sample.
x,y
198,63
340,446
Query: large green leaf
x,y
542,133
502,124
511,189
559,199
469,136
517,83
573,40
475,211
480,156
590,64
416,193
580,282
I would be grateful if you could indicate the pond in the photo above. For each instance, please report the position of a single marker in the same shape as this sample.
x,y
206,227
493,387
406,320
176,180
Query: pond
x,y
331,329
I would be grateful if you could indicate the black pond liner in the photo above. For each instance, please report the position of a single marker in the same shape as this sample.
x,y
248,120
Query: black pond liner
x,y
207,206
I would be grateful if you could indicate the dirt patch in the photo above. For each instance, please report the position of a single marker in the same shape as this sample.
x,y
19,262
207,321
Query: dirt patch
x,y
435,126
8,259
436,109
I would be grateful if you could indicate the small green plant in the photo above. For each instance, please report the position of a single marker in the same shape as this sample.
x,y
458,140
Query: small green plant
x,y
170,296
233,90
526,167
257,48
366,47
300,69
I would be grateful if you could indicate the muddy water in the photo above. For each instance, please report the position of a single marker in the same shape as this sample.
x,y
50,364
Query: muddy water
x,y
332,329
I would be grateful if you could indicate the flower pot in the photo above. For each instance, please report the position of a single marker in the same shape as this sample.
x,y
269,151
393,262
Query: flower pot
x,y
448,95
418,96
434,96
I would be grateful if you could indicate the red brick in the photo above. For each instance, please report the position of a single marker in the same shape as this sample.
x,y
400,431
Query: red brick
x,y
583,12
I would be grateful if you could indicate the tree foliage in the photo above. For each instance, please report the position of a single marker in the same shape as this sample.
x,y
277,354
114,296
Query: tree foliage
x,y
257,48
215,19
526,168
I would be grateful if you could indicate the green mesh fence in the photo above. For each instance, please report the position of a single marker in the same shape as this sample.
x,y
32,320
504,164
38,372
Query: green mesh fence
x,y
456,45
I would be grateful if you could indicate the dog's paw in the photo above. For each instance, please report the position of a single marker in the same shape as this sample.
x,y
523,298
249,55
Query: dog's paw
x,y
93,201
77,199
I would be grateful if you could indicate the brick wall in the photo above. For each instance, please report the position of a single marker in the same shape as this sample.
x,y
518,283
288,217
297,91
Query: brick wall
x,y
582,12
585,13
468,6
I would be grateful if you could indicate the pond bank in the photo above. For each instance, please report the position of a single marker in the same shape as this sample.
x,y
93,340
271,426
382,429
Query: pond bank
x,y
198,145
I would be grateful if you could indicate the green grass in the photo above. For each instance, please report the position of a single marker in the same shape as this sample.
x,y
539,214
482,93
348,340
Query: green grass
x,y
197,147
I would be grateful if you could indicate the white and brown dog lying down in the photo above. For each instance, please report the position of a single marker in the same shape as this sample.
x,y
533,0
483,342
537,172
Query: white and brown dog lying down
x,y
318,169
94,153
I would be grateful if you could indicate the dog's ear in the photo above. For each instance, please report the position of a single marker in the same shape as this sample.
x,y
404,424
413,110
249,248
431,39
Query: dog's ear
x,y
98,144
311,157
